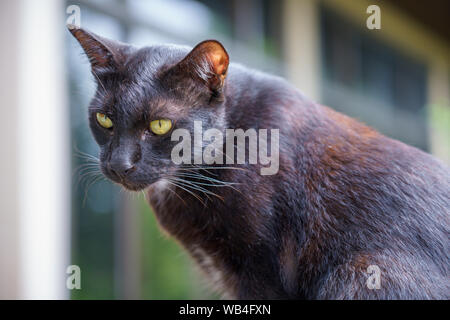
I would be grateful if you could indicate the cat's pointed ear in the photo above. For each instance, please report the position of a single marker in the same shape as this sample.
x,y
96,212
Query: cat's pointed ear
x,y
209,62
103,54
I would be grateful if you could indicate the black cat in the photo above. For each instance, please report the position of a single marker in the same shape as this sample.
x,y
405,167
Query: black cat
x,y
349,214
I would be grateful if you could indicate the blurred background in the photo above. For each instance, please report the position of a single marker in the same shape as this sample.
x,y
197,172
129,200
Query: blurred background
x,y
54,213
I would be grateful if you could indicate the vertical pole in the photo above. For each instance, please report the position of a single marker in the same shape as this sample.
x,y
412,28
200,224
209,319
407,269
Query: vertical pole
x,y
9,193
302,45
43,141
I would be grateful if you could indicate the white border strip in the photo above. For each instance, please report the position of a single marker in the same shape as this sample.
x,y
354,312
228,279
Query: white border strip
x,y
44,163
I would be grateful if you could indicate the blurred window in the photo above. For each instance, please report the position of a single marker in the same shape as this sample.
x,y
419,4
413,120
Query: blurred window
x,y
373,81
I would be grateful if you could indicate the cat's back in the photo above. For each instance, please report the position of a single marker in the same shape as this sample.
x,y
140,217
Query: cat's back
x,y
366,197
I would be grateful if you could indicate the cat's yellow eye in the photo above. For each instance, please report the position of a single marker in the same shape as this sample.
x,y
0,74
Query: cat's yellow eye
x,y
104,121
160,126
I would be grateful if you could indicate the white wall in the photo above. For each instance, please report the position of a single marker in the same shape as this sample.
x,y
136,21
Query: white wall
x,y
35,207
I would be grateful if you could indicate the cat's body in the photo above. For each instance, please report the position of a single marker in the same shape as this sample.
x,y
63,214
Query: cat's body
x,y
345,197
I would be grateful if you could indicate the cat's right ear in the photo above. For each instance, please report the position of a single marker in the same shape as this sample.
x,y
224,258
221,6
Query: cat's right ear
x,y
207,62
103,54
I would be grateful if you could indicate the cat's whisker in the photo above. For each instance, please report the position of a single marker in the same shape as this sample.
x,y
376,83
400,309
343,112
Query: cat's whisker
x,y
212,168
210,181
175,193
144,195
130,194
86,166
88,177
99,81
88,172
78,152
197,166
206,178
88,159
97,179
195,186
170,181
82,153
89,164
85,179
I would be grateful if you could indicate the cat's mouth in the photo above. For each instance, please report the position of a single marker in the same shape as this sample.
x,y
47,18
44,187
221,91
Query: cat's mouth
x,y
126,182
129,185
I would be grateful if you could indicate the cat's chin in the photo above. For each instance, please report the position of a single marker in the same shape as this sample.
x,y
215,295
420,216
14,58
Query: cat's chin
x,y
134,187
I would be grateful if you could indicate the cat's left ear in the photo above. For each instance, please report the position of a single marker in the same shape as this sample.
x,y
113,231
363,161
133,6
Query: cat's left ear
x,y
104,54
208,61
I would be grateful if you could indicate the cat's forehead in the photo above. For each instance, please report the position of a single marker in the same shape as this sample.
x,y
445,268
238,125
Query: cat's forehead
x,y
135,100
141,75
151,60
137,90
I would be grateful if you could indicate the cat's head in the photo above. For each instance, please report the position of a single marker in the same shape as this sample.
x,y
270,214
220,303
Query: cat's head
x,y
143,95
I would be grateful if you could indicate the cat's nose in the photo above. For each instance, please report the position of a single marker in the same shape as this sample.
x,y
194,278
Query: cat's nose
x,y
121,168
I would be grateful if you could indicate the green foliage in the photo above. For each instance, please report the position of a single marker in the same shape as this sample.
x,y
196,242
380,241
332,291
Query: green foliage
x,y
167,271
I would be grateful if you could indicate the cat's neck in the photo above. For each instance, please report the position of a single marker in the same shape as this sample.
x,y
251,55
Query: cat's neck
x,y
254,99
